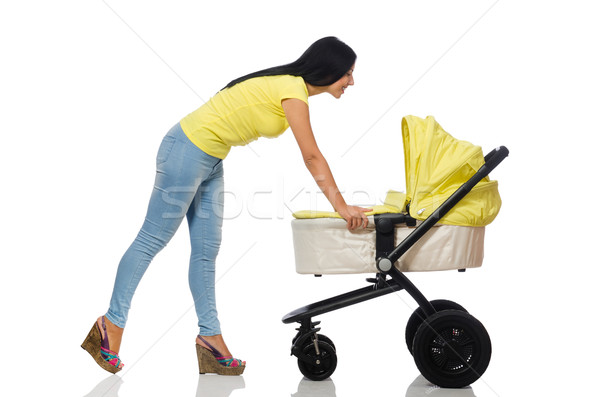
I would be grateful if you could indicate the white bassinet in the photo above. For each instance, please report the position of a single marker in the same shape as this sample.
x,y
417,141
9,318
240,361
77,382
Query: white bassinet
x,y
326,246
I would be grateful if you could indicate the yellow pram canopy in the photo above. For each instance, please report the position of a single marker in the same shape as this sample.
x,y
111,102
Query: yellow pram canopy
x,y
436,165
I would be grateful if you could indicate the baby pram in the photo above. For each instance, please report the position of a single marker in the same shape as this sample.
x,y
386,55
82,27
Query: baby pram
x,y
438,224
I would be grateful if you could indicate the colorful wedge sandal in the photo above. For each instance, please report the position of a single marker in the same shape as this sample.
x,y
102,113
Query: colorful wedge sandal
x,y
212,361
99,349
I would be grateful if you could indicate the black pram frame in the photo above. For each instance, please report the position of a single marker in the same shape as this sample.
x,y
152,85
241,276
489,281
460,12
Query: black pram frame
x,y
451,347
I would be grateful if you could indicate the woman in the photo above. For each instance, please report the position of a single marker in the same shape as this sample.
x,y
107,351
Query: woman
x,y
189,182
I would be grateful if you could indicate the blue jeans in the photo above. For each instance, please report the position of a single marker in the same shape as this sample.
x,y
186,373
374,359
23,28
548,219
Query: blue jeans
x,y
189,183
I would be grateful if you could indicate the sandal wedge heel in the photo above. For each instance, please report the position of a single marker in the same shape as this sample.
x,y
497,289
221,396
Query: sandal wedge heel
x,y
211,361
93,344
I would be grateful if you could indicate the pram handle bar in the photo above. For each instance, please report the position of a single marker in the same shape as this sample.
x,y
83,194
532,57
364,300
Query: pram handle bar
x,y
492,159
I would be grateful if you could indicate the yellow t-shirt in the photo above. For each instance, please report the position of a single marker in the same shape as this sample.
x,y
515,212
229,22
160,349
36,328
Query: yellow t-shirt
x,y
243,113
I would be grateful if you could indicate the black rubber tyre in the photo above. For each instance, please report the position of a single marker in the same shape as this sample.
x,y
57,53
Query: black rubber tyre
x,y
452,349
416,319
327,361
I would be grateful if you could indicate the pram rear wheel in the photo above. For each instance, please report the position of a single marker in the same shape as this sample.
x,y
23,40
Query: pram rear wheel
x,y
418,316
320,365
452,349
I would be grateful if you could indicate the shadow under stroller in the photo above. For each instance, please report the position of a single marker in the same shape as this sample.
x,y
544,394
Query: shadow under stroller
x,y
437,225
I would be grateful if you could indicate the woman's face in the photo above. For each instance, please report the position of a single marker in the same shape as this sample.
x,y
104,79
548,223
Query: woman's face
x,y
337,89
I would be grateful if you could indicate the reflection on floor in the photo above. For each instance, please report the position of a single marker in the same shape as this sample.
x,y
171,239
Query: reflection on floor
x,y
210,385
421,387
223,386
309,388
109,387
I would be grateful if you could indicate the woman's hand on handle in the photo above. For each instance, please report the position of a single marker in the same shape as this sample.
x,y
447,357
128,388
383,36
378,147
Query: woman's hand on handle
x,y
355,216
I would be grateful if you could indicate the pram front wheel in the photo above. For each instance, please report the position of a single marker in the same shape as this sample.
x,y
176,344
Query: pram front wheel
x,y
418,316
452,349
318,364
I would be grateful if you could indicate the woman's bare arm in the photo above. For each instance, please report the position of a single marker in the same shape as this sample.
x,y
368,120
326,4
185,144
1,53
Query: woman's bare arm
x,y
298,117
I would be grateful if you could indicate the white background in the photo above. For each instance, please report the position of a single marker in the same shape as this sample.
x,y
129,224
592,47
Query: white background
x,y
88,89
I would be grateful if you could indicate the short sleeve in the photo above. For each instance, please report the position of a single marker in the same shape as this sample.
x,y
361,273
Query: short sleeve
x,y
294,87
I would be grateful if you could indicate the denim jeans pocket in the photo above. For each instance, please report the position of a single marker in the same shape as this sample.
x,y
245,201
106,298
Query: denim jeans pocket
x,y
165,149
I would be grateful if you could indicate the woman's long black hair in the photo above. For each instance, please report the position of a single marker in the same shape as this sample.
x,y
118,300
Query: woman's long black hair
x,y
322,64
